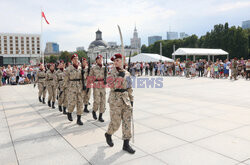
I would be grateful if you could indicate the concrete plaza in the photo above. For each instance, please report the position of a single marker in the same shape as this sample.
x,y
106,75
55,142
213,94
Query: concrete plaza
x,y
187,122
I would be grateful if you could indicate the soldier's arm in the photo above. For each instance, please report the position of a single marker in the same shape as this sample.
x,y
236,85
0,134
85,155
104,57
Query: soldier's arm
x,y
66,80
37,75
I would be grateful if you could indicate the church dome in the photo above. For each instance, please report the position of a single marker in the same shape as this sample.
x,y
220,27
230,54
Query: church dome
x,y
98,42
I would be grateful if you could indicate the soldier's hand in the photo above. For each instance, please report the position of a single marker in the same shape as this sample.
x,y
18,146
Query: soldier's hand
x,y
132,103
121,74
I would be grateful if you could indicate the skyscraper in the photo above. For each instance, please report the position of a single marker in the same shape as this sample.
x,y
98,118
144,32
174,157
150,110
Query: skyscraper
x,y
153,39
51,48
183,35
246,24
135,42
172,35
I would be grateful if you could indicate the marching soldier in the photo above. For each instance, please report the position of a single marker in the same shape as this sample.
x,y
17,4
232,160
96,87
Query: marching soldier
x,y
51,85
40,79
188,66
120,103
234,69
59,83
99,91
86,91
73,81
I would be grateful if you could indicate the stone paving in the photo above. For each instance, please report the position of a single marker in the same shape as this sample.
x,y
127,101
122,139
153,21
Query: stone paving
x,y
187,122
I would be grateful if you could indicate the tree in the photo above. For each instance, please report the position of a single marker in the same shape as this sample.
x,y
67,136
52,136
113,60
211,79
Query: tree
x,y
53,59
65,56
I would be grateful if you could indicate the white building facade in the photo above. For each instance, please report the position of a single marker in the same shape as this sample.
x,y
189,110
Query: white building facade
x,y
19,49
101,47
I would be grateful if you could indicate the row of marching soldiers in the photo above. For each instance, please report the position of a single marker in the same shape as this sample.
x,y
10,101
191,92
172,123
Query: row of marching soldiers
x,y
74,84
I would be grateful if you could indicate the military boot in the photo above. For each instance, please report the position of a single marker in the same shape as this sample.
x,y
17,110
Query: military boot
x,y
100,118
94,115
49,104
127,147
86,109
60,108
40,100
53,105
69,116
64,111
79,121
44,101
109,140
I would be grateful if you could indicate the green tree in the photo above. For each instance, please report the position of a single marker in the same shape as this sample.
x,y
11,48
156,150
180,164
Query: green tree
x,y
53,58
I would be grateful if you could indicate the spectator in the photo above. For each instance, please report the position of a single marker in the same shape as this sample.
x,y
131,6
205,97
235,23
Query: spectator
x,y
248,69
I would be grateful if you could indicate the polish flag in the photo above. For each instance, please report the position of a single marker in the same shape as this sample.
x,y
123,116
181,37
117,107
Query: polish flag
x,y
43,15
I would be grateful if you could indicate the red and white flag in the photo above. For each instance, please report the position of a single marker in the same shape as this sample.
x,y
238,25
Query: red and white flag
x,y
43,15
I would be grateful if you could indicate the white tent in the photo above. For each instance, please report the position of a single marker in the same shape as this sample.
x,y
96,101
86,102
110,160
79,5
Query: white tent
x,y
199,52
147,57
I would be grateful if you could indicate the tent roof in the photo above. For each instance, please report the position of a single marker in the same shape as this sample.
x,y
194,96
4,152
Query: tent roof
x,y
199,52
147,57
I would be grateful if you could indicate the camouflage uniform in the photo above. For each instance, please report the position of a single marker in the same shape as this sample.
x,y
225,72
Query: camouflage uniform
x,y
1,76
59,83
120,98
51,85
86,93
234,70
187,68
73,81
99,90
40,79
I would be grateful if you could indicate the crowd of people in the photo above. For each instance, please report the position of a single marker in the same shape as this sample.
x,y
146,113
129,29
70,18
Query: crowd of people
x,y
199,68
233,69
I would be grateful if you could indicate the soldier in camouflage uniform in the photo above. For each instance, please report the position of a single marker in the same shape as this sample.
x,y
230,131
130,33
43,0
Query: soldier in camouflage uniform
x,y
40,79
73,81
60,73
120,103
234,70
188,66
99,91
86,91
51,85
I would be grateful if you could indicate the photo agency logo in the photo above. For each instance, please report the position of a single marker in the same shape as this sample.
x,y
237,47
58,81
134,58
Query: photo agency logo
x,y
129,82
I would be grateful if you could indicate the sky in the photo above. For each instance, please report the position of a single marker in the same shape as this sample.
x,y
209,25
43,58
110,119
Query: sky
x,y
73,23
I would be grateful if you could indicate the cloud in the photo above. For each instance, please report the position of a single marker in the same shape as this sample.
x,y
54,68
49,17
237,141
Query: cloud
x,y
74,23
233,5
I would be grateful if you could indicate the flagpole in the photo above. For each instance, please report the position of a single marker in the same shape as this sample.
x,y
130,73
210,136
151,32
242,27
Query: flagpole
x,y
41,44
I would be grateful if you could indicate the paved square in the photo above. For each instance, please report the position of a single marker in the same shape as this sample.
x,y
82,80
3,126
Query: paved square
x,y
187,122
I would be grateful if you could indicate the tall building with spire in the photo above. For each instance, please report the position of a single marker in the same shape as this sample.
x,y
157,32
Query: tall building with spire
x,y
135,42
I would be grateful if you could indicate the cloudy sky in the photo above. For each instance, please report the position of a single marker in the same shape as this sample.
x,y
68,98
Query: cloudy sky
x,y
73,23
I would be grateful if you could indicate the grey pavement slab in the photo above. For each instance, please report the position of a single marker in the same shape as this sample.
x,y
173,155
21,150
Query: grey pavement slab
x,y
198,121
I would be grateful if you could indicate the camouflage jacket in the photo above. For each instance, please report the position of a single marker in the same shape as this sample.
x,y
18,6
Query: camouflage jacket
x,y
117,83
59,78
97,72
40,76
50,78
73,79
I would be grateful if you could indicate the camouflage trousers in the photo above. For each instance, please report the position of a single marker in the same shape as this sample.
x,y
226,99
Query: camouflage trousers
x,y
234,73
1,81
120,112
65,100
187,72
52,93
62,98
75,100
86,96
99,99
41,90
